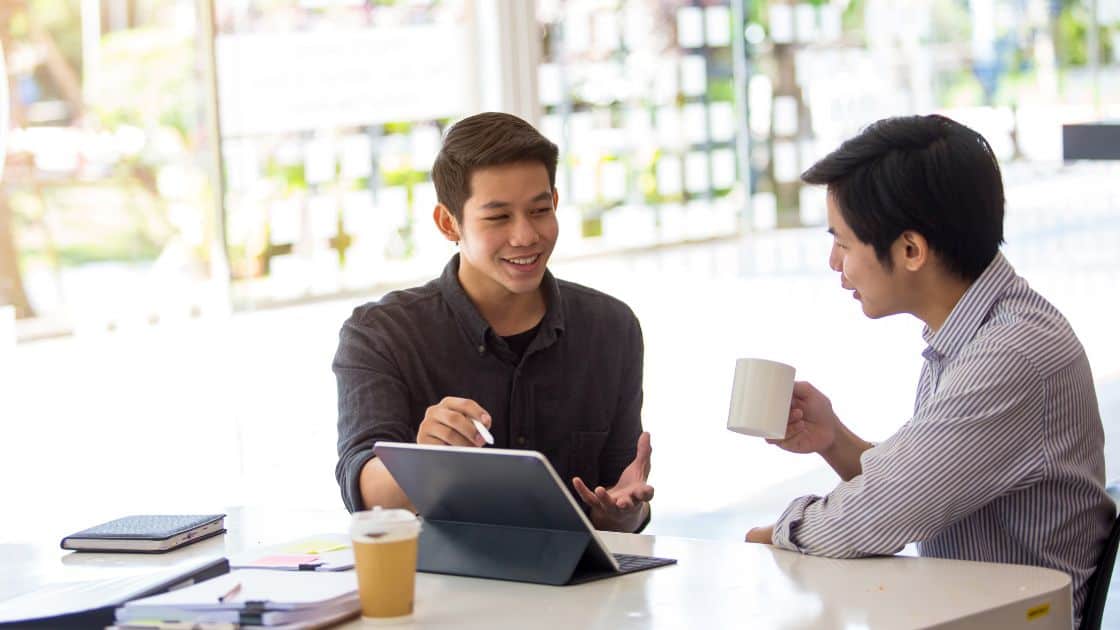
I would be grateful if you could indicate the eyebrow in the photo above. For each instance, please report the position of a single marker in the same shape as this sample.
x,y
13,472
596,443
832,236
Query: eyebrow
x,y
498,204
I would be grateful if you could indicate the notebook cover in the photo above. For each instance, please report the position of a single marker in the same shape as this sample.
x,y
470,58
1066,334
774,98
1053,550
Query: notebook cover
x,y
146,527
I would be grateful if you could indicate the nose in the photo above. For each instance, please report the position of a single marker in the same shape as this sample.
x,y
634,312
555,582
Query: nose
x,y
835,259
523,233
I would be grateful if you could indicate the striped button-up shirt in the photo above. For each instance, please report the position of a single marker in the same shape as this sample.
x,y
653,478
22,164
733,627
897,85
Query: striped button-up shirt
x,y
1003,459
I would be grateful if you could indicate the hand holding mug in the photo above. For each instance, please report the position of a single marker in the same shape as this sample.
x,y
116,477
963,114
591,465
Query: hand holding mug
x,y
812,424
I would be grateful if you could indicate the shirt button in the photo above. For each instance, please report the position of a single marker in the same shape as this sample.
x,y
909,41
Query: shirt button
x,y
521,440
482,349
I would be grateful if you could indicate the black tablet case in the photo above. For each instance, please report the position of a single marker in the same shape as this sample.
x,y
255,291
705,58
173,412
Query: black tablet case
x,y
495,513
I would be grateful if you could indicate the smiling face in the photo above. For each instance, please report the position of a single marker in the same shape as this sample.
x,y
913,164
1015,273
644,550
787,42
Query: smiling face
x,y
507,232
880,292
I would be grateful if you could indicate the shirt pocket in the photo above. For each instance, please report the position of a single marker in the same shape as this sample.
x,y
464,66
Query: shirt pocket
x,y
585,455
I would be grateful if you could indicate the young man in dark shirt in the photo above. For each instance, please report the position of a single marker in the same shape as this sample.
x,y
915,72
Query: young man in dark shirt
x,y
544,364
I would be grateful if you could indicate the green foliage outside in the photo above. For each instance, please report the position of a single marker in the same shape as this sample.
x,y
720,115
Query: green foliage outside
x,y
145,88
291,177
146,80
1073,36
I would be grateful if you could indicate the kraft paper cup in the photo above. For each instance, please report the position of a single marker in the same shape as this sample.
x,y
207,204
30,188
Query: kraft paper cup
x,y
760,398
385,550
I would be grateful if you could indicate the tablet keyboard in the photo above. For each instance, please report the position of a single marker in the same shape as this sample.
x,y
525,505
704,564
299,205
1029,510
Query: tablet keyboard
x,y
628,563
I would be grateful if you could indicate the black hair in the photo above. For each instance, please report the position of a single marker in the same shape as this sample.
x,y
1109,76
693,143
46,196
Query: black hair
x,y
481,141
928,174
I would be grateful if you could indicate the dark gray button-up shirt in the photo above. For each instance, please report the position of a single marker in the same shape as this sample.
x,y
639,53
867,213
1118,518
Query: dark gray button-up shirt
x,y
575,395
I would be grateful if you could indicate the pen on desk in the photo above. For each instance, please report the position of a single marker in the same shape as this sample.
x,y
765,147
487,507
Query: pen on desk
x,y
230,594
483,431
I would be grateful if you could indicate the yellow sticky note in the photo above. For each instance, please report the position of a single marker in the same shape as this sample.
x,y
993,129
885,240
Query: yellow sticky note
x,y
316,546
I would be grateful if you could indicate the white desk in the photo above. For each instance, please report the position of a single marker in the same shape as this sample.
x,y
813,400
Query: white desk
x,y
715,585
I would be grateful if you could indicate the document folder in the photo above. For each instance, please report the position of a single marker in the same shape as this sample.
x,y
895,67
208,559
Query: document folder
x,y
501,514
263,598
90,604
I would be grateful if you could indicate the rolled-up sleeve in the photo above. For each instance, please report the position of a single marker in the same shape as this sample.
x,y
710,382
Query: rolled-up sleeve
x,y
977,438
372,405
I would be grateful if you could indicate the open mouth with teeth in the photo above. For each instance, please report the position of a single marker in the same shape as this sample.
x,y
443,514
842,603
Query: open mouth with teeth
x,y
523,262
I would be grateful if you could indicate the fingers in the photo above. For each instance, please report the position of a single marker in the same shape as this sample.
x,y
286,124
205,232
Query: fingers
x,y
435,431
467,407
604,497
617,503
805,394
645,451
450,423
803,390
614,504
763,535
585,493
628,498
640,494
794,431
794,426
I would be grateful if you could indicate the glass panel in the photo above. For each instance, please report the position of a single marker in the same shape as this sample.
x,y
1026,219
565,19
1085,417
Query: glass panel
x,y
640,97
106,205
332,115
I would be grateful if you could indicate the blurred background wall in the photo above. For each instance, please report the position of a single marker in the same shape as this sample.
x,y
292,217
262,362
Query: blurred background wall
x,y
196,192
679,120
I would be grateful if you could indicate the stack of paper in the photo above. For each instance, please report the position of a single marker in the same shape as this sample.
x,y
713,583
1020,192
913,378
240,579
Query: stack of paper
x,y
278,599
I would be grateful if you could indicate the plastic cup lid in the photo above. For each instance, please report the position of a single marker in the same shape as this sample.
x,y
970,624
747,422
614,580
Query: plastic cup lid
x,y
381,522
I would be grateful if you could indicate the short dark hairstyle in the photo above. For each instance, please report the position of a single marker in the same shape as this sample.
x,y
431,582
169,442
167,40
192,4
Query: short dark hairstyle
x,y
481,141
928,174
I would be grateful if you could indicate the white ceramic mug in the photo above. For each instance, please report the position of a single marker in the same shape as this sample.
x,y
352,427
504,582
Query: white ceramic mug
x,y
760,398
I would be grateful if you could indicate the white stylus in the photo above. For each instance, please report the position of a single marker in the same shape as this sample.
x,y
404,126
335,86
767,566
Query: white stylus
x,y
489,439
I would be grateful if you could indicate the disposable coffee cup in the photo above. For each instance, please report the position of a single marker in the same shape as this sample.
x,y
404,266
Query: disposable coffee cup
x,y
760,398
385,545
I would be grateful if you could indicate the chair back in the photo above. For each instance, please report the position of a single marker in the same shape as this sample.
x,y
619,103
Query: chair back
x,y
1093,610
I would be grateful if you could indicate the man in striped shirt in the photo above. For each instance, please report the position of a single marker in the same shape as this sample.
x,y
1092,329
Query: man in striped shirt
x,y
1003,458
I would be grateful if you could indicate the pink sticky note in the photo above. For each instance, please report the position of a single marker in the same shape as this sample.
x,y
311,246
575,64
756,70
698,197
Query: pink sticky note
x,y
284,561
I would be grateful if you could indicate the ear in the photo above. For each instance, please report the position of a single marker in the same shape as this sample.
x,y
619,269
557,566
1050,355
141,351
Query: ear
x,y
446,223
911,251
555,199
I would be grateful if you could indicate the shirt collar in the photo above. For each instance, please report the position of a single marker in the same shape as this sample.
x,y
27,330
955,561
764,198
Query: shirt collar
x,y
476,327
970,311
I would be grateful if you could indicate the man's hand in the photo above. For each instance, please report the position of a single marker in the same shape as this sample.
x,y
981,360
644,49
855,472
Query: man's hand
x,y
814,428
449,422
763,535
812,424
624,506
